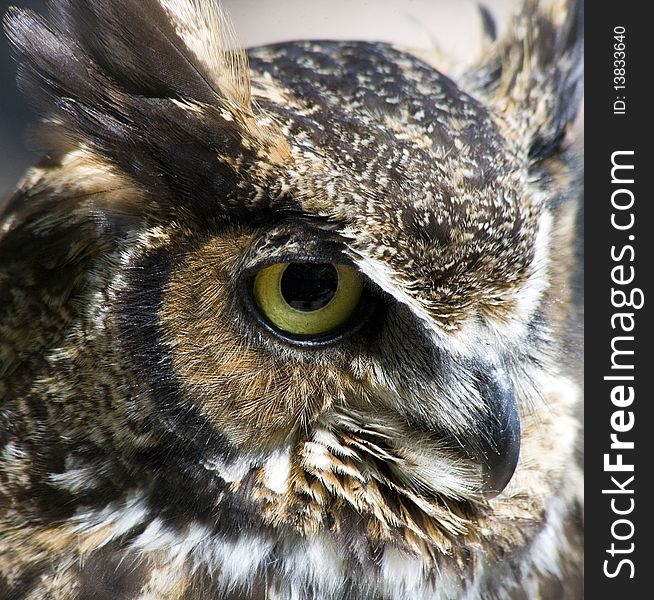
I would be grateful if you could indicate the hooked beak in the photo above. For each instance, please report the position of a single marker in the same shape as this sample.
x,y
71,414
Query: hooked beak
x,y
499,444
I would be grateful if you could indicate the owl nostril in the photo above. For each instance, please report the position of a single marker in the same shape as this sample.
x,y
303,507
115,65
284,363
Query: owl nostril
x,y
500,444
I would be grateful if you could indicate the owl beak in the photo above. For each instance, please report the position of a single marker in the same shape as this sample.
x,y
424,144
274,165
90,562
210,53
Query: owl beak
x,y
500,446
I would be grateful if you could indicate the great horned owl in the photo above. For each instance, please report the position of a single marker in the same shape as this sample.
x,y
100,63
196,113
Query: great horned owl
x,y
288,323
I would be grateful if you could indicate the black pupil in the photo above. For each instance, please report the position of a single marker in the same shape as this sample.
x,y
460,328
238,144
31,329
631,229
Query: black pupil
x,y
307,286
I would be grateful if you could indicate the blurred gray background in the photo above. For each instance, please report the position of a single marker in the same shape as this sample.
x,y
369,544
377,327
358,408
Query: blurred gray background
x,y
451,25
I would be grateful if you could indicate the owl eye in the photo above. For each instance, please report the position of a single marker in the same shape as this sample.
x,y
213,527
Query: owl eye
x,y
307,299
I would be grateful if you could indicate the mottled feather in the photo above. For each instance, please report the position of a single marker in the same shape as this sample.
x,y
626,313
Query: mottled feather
x,y
160,439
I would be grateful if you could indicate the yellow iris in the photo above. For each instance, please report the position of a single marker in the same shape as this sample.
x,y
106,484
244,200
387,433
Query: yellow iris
x,y
307,299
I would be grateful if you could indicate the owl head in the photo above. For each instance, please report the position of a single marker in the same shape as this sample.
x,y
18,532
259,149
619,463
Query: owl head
x,y
311,289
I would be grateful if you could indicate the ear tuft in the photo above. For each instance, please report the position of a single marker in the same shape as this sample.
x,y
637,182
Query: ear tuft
x,y
155,88
533,77
180,49
210,36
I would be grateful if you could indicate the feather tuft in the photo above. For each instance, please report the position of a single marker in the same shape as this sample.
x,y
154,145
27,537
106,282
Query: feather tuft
x,y
533,76
159,48
211,37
